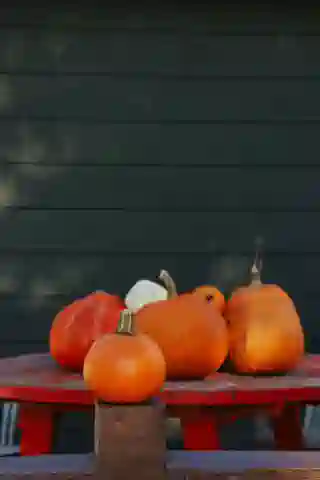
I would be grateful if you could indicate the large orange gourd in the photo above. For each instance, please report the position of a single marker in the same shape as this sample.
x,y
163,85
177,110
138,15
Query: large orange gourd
x,y
125,366
265,332
190,332
79,324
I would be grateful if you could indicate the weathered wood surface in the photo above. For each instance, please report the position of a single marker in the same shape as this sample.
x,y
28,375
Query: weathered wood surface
x,y
37,378
179,466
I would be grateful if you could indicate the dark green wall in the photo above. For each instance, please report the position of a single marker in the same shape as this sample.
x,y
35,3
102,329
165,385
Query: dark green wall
x,y
134,139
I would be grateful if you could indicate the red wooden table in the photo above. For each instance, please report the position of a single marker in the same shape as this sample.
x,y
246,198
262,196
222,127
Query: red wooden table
x,y
43,390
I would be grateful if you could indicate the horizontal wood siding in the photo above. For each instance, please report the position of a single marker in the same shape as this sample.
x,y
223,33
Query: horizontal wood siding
x,y
130,99
139,138
35,286
160,188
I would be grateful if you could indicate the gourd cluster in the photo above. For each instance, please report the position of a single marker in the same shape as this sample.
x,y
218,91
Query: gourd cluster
x,y
127,348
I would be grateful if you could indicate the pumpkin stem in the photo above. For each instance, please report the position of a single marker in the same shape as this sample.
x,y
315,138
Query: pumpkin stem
x,y
255,275
169,284
257,263
126,323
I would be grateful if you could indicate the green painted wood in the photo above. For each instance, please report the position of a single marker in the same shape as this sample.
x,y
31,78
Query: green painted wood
x,y
172,188
123,231
136,100
64,143
17,347
173,53
34,287
33,276
215,18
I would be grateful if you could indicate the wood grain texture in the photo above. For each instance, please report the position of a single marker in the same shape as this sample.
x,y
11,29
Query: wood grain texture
x,y
267,466
245,465
37,378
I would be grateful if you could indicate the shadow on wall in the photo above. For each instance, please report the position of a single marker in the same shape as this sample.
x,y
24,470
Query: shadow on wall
x,y
50,254
68,229
60,239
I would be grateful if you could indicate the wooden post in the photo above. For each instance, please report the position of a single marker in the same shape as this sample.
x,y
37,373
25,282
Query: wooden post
x,y
130,442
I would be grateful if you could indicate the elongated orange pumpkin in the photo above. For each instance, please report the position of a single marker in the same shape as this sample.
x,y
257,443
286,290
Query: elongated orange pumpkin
x,y
191,334
124,367
265,332
79,324
212,295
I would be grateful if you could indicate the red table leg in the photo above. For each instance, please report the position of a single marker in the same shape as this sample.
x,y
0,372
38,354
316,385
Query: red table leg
x,y
288,433
36,426
200,431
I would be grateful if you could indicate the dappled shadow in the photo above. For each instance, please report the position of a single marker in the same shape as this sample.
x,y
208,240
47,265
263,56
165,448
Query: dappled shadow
x,y
48,256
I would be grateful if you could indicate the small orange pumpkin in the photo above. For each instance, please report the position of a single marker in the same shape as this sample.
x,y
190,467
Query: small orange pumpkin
x,y
265,332
124,367
211,295
191,334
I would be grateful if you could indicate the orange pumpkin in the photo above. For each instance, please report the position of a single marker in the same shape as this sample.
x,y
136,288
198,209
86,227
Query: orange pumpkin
x,y
78,325
124,367
192,335
265,332
211,295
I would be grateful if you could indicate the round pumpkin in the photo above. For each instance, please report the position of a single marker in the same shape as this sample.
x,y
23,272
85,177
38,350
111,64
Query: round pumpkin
x,y
191,334
211,295
265,332
124,367
79,324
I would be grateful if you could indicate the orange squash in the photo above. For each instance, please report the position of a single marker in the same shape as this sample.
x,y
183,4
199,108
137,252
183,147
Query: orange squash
x,y
265,332
124,367
211,295
191,334
79,324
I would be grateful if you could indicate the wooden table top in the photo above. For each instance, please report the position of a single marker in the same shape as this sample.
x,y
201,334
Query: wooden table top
x,y
36,378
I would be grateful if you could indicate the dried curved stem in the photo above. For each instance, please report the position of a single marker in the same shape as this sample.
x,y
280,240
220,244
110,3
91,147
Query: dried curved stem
x,y
169,283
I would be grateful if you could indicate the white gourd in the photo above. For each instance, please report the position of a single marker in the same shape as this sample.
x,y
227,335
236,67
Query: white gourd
x,y
144,292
